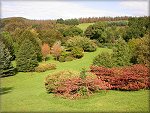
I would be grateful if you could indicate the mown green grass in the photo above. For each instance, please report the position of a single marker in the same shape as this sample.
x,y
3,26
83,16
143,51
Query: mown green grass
x,y
25,92
83,26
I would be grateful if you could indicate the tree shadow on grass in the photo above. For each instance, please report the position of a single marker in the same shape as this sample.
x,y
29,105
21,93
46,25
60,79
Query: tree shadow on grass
x,y
5,90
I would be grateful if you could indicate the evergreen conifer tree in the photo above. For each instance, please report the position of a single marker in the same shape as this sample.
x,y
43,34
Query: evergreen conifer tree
x,y
27,34
121,53
6,68
26,59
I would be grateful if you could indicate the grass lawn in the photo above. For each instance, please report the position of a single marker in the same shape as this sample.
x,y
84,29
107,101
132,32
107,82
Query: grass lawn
x,y
83,26
26,92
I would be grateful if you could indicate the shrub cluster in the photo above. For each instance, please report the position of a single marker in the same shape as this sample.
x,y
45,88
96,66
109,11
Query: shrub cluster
x,y
72,31
106,32
68,21
103,59
128,78
121,53
140,50
69,84
64,59
97,31
120,56
137,27
117,23
65,56
85,43
77,52
44,67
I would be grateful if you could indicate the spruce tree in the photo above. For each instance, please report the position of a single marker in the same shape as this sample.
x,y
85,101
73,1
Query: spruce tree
x,y
26,59
6,68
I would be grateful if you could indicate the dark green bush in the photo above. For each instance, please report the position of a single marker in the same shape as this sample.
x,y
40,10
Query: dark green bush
x,y
138,26
107,45
77,52
121,53
133,44
72,31
104,59
97,31
71,22
89,47
140,50
65,56
85,43
117,23
61,21
121,56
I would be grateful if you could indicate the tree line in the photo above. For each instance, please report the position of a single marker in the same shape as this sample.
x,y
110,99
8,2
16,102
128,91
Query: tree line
x,y
28,41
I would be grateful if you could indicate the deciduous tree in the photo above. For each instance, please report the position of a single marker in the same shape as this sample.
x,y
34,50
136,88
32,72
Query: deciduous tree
x,y
45,50
56,49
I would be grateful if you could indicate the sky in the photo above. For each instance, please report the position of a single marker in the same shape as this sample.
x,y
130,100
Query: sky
x,y
66,9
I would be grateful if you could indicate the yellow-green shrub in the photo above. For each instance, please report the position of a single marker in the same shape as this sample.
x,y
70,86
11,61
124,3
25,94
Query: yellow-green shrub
x,y
44,67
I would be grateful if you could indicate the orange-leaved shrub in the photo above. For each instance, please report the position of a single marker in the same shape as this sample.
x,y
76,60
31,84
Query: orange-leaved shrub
x,y
133,77
69,84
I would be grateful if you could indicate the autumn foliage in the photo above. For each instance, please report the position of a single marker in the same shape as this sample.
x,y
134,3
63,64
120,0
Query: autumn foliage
x,y
56,49
69,84
74,85
45,50
127,78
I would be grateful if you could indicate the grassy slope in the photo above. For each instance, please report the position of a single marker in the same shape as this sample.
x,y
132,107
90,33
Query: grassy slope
x,y
83,26
26,92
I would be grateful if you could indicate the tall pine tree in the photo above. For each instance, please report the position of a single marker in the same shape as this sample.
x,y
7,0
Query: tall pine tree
x,y
26,59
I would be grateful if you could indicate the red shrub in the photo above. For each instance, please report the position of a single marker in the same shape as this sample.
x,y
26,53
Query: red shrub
x,y
74,87
128,78
77,87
